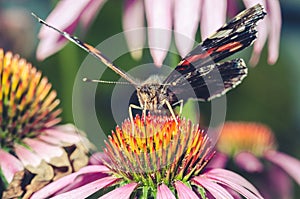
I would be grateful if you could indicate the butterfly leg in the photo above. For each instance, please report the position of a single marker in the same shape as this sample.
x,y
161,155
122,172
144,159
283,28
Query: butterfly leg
x,y
133,106
180,102
144,112
170,109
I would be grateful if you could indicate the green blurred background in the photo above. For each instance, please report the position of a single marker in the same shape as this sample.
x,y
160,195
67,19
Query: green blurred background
x,y
270,94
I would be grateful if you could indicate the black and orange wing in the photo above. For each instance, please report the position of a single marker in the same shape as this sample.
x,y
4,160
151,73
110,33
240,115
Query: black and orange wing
x,y
199,69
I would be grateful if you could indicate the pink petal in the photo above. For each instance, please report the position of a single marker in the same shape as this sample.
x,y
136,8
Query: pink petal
x,y
251,3
287,163
233,181
65,17
81,180
212,22
163,192
27,157
59,184
216,190
62,134
184,192
49,45
186,21
98,158
262,29
66,128
121,192
45,151
90,12
64,14
218,161
9,165
248,162
159,18
278,184
232,8
88,189
133,23
273,7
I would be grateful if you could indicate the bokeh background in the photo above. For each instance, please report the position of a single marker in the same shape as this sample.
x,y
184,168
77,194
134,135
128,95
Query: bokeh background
x,y
270,94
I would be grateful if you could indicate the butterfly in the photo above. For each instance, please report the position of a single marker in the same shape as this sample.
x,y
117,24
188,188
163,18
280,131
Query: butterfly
x,y
198,70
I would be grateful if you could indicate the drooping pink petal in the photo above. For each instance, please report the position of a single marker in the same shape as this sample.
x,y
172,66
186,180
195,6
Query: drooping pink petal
x,y
65,16
209,22
277,184
133,23
66,128
262,29
186,22
44,150
287,163
232,8
233,181
248,162
273,8
49,45
184,192
163,192
234,194
66,180
90,12
216,190
88,189
121,192
98,158
62,134
159,19
81,180
9,165
27,157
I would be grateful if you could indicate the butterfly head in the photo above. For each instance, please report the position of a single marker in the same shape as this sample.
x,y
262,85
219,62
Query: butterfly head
x,y
152,93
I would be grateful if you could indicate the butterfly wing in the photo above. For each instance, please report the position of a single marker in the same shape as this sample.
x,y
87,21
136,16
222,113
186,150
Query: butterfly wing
x,y
215,81
237,34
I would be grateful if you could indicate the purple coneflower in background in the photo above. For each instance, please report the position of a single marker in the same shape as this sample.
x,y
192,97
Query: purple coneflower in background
x,y
162,158
184,17
252,147
34,150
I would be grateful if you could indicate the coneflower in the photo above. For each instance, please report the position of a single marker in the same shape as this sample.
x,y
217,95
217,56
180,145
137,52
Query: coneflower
x,y
253,148
34,150
160,158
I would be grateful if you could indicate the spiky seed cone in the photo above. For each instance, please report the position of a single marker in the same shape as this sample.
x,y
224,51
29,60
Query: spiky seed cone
x,y
159,150
27,103
29,136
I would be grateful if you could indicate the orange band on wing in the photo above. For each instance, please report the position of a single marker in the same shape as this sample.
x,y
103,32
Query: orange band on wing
x,y
231,46
194,58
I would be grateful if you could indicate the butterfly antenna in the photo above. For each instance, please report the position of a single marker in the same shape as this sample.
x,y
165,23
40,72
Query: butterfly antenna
x,y
90,49
104,81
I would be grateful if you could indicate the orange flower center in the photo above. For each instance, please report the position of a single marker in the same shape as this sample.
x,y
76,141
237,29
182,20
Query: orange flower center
x,y
241,136
157,150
